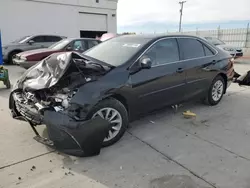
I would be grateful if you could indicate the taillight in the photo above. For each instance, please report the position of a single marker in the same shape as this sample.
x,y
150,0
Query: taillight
x,y
232,60
230,63
230,68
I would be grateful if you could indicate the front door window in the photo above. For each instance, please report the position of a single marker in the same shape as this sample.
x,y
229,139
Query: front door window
x,y
164,52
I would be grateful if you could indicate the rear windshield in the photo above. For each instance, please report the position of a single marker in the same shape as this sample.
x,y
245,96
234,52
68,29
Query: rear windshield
x,y
117,51
214,41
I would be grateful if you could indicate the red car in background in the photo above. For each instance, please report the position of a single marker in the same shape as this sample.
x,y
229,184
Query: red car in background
x,y
29,58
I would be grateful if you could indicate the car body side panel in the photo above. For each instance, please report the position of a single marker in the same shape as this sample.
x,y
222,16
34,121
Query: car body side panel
x,y
201,71
91,93
157,86
199,76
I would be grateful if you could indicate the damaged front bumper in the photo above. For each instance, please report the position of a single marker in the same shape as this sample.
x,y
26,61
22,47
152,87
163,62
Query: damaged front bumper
x,y
78,138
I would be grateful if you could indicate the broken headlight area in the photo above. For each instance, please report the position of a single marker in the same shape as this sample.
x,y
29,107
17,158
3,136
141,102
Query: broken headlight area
x,y
32,105
77,112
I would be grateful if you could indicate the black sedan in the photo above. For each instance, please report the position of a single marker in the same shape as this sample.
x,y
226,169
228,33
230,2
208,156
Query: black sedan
x,y
118,80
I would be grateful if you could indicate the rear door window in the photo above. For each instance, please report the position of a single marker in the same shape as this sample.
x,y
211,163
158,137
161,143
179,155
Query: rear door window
x,y
92,43
78,45
38,39
52,38
208,52
191,48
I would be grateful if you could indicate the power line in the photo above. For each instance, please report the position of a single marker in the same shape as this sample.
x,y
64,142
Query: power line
x,y
181,11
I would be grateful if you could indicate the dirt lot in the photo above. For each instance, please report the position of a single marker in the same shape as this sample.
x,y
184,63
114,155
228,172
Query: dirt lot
x,y
160,150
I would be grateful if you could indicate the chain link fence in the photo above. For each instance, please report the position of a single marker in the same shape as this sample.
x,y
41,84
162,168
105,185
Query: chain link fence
x,y
237,37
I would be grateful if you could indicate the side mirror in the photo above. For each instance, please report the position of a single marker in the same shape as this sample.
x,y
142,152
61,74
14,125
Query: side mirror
x,y
69,48
145,63
31,42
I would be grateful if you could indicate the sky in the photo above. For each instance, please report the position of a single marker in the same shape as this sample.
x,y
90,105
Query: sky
x,y
149,16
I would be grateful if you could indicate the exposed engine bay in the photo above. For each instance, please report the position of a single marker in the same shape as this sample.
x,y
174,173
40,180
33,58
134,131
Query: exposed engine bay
x,y
31,105
52,84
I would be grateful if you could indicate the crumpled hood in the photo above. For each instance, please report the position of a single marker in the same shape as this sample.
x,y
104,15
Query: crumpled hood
x,y
49,71
46,73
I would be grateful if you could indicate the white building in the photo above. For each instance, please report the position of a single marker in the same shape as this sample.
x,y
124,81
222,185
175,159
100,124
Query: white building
x,y
70,18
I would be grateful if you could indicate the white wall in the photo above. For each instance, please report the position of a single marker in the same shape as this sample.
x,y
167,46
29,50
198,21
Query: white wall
x,y
20,17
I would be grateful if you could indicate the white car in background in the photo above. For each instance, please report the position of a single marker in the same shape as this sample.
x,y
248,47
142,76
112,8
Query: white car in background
x,y
234,51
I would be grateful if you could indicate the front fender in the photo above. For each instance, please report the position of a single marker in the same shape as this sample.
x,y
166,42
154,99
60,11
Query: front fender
x,y
91,93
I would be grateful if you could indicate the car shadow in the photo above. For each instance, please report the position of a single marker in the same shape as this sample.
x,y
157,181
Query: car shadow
x,y
132,162
120,161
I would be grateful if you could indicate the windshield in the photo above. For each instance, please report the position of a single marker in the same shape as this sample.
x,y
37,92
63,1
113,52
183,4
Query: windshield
x,y
60,45
117,51
214,41
22,40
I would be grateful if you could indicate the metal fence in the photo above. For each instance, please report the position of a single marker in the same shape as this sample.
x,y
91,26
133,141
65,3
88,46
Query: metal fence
x,y
237,37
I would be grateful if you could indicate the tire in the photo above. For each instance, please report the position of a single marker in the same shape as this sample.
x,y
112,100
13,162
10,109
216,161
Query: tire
x,y
11,56
118,107
215,92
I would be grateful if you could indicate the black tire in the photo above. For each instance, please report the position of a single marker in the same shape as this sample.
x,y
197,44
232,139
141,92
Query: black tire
x,y
117,105
209,99
10,57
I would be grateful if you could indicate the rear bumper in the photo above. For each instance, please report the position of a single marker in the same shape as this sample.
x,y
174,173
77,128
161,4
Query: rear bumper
x,y
24,64
78,138
237,54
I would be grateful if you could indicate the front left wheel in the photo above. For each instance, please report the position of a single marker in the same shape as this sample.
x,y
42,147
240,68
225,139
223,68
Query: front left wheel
x,y
116,113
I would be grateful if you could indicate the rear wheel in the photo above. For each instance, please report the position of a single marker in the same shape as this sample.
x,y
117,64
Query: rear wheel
x,y
115,112
216,91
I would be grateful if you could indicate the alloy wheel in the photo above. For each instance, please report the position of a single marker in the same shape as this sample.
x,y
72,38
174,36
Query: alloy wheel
x,y
114,117
217,90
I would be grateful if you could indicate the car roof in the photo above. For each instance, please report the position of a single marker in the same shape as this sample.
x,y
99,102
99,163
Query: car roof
x,y
81,39
46,35
155,37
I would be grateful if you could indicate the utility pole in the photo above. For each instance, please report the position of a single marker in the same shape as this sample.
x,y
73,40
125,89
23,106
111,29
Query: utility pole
x,y
181,10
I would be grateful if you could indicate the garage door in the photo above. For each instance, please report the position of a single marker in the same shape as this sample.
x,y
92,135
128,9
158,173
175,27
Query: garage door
x,y
92,22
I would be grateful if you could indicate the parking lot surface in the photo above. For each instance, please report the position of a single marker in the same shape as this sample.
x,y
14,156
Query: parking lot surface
x,y
159,150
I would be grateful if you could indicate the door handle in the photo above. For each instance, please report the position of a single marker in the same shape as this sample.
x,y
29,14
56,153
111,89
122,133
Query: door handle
x,y
214,62
179,70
